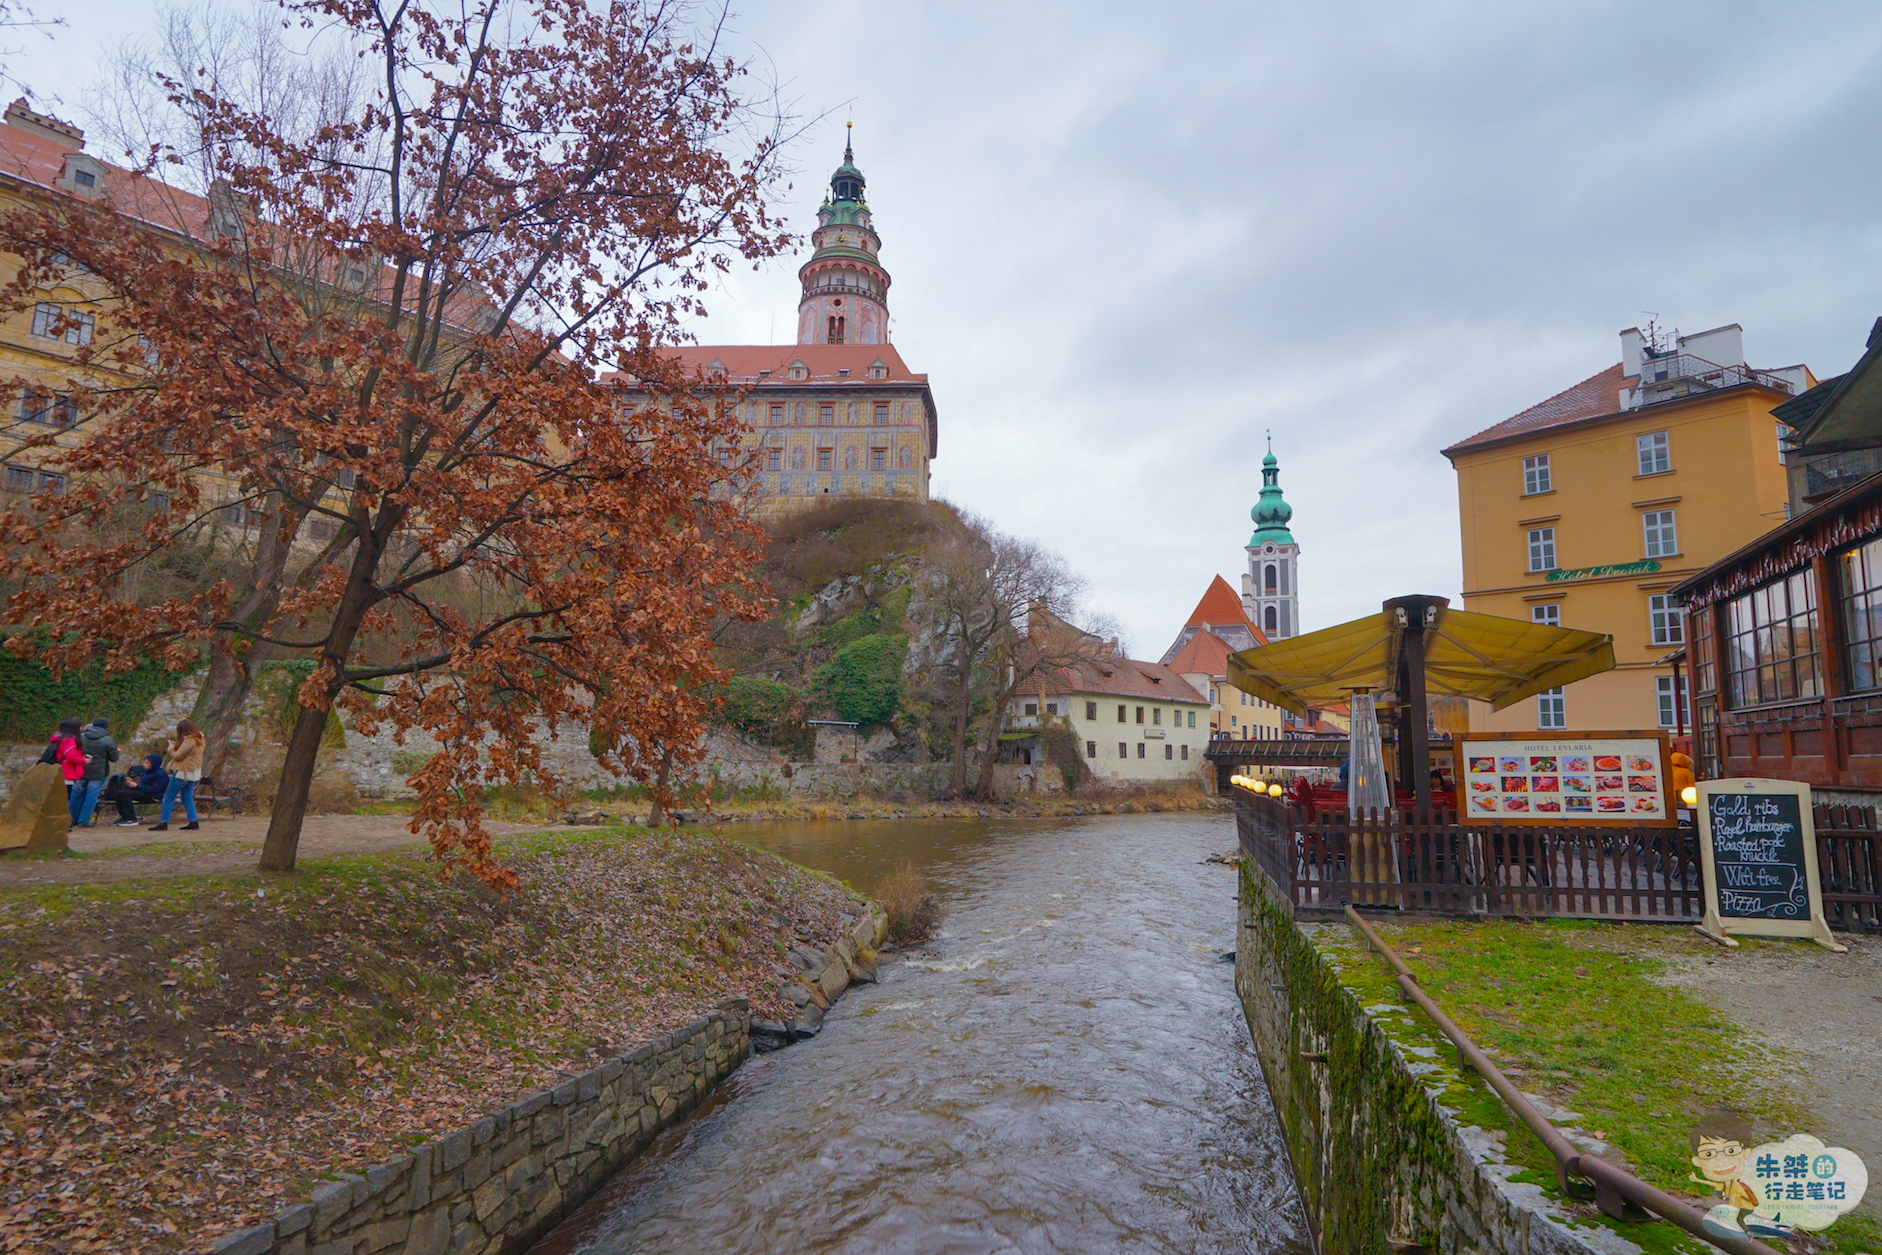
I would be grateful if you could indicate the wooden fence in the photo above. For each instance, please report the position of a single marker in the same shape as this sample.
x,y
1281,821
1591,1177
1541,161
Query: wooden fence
x,y
1381,858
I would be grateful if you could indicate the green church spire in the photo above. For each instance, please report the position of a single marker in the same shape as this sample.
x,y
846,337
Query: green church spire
x,y
1271,512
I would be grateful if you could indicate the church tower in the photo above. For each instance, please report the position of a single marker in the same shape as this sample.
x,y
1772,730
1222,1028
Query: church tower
x,y
846,290
1270,589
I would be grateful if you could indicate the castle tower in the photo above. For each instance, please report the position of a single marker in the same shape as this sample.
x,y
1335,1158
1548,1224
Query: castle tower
x,y
846,290
1270,589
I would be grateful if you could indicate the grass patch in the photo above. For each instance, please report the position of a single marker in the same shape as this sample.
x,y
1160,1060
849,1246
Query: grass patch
x,y
1572,1017
233,1035
914,911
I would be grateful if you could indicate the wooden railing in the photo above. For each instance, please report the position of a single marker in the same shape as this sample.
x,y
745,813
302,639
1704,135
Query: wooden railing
x,y
1384,859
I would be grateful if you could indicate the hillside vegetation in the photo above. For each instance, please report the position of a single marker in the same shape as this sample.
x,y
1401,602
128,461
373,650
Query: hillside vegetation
x,y
853,636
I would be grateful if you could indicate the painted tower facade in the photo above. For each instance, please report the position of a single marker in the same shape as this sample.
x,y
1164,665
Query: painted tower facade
x,y
1270,590
846,290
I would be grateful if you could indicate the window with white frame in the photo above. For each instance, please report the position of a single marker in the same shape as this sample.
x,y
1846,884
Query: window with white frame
x,y
1550,615
1536,475
1542,549
1551,709
1667,620
51,323
1656,454
1670,715
1662,538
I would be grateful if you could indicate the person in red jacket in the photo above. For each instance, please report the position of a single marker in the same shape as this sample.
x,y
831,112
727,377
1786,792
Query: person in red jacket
x,y
71,759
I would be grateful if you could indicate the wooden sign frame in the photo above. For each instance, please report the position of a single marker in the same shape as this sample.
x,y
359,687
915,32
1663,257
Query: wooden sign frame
x,y
1668,803
1718,927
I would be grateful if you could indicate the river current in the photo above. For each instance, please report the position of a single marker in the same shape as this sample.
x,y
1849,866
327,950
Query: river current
x,y
1065,1069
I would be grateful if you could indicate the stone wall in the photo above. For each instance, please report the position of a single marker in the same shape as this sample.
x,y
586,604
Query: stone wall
x,y
498,1185
1377,1118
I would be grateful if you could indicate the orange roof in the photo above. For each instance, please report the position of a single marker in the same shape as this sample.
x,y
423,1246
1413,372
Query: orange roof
x,y
35,157
1116,677
1219,604
1205,653
824,364
1594,397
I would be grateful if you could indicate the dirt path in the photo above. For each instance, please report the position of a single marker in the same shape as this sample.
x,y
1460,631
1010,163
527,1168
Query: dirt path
x,y
1822,1009
223,844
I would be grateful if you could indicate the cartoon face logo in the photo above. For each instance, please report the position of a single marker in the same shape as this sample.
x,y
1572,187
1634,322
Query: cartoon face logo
x,y
1719,1159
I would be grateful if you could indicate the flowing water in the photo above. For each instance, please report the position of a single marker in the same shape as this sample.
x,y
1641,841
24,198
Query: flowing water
x,y
1064,1069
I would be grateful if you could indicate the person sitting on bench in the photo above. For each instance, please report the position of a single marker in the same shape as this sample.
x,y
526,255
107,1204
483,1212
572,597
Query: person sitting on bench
x,y
145,784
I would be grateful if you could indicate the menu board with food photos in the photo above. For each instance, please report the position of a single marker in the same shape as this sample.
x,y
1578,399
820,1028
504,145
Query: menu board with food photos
x,y
1558,778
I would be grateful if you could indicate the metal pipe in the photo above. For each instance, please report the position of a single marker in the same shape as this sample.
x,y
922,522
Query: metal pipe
x,y
1612,1185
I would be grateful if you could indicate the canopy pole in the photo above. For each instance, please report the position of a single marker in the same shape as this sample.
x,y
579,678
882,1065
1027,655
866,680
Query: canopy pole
x,y
1414,739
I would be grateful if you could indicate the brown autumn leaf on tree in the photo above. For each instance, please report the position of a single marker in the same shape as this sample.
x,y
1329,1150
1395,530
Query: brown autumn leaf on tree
x,y
374,345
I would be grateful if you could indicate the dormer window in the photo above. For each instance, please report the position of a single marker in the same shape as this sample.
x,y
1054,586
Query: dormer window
x,y
878,369
843,371
82,176
799,371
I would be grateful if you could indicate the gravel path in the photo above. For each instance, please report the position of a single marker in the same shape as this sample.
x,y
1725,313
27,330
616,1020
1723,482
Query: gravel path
x,y
1822,1009
223,844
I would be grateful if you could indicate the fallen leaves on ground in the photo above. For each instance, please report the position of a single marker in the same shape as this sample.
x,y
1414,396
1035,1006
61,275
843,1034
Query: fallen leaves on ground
x,y
187,1061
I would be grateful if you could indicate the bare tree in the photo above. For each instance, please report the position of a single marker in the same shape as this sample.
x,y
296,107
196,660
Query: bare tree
x,y
1006,608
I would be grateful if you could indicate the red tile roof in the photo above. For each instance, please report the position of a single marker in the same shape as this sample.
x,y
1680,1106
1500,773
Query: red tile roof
x,y
34,157
1116,677
1220,604
745,363
1593,397
1205,653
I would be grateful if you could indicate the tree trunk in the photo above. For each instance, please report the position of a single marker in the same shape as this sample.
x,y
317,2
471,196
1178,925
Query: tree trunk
x,y
290,800
958,781
983,784
310,728
658,815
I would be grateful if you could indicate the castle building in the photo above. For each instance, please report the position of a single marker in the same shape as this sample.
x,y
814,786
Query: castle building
x,y
1270,590
838,414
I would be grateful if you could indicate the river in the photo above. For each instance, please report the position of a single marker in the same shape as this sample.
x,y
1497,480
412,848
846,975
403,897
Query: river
x,y
1065,1069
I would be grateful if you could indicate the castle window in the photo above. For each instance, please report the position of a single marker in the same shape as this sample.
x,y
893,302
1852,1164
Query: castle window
x,y
826,415
1091,749
774,460
777,414
1091,712
1123,750
878,459
823,459
1140,714
1270,621
836,330
882,413
1268,577
1120,714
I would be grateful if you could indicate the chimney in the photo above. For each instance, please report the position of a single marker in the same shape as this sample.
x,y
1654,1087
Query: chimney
x,y
1631,344
44,125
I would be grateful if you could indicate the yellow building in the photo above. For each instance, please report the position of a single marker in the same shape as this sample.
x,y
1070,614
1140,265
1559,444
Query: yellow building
x,y
1585,510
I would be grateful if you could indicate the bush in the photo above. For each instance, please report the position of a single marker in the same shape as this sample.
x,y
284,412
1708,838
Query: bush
x,y
863,682
1063,751
768,711
914,911
33,703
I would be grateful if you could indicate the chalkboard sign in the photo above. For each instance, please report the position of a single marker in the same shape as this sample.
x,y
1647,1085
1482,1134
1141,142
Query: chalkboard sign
x,y
1758,851
1758,856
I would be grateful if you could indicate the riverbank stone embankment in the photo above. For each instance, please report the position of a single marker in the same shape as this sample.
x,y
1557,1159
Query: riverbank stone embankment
x,y
1392,1146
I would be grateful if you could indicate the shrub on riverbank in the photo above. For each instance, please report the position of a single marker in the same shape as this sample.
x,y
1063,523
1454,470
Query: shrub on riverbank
x,y
197,1050
913,909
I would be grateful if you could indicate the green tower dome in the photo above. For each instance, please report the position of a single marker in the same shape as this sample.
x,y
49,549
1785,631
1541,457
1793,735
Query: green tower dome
x,y
1271,513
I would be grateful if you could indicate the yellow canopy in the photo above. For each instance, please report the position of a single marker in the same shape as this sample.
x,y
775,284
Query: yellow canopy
x,y
1482,656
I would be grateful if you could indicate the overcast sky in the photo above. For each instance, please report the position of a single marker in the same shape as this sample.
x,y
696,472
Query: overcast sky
x,y
1127,240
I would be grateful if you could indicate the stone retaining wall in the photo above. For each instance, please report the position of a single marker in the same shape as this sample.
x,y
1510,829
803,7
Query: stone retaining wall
x,y
493,1188
1381,1127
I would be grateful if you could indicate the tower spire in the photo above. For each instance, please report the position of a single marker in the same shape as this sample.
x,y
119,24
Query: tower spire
x,y
1270,590
845,288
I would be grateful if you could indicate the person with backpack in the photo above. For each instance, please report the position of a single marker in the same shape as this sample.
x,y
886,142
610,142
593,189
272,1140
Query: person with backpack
x,y
100,752
71,760
186,768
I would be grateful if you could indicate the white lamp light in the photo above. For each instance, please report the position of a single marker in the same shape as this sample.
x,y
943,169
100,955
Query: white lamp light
x,y
1689,795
